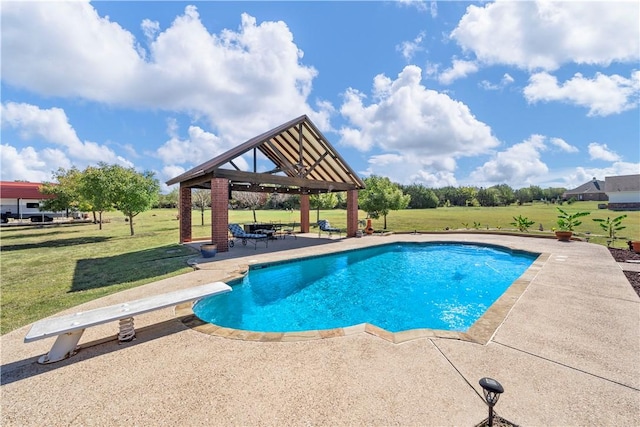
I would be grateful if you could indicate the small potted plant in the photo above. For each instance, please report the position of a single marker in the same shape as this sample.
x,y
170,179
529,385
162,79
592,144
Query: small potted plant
x,y
567,223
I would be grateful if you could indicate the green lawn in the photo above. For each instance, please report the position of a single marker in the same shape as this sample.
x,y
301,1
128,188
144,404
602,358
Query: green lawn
x,y
48,269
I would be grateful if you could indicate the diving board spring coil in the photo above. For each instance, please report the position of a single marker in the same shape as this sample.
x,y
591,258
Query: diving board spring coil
x,y
127,331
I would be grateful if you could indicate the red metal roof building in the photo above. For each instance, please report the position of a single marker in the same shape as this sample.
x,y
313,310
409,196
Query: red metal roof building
x,y
22,190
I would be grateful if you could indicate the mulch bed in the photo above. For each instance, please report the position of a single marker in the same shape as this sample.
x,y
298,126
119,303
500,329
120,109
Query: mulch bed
x,y
622,255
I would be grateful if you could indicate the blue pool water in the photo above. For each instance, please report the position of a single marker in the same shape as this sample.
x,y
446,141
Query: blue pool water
x,y
396,287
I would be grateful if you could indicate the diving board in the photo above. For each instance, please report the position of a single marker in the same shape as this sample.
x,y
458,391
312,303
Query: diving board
x,y
69,328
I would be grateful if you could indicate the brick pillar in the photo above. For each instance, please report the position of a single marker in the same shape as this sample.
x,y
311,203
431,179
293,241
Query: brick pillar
x,y
220,213
185,214
304,213
352,213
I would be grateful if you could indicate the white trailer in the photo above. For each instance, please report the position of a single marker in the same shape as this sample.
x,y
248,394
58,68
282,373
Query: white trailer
x,y
26,210
22,200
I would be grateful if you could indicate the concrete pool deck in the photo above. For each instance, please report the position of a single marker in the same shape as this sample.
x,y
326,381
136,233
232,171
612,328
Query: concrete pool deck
x,y
567,353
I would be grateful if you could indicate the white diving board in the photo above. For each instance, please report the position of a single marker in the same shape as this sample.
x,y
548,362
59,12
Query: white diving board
x,y
69,328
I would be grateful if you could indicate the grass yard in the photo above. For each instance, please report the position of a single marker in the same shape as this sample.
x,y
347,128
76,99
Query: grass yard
x,y
47,269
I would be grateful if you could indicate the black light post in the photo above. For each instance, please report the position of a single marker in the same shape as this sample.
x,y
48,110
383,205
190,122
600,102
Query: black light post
x,y
492,390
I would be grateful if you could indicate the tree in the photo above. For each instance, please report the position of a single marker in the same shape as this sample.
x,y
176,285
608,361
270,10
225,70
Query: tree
x,y
169,200
322,201
468,194
249,200
488,197
553,194
523,195
133,192
66,190
421,197
381,196
536,192
505,194
201,199
97,188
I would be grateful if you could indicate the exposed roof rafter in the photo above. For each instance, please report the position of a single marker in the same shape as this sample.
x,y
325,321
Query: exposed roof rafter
x,y
304,161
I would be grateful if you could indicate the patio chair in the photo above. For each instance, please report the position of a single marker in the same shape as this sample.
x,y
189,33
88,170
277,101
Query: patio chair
x,y
325,227
289,231
238,233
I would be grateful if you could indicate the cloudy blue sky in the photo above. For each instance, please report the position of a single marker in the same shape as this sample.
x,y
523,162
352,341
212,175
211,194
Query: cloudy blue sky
x,y
438,93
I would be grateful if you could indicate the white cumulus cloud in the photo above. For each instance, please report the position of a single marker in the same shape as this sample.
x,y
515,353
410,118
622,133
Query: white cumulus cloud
x,y
179,154
28,164
405,118
243,81
504,82
602,152
420,5
51,126
545,34
519,165
603,95
458,70
563,145
432,172
409,48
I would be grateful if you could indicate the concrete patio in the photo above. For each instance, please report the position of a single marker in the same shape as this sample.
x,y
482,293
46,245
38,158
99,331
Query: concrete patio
x,y
567,353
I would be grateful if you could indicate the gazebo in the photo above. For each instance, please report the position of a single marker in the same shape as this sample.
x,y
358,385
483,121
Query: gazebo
x,y
302,162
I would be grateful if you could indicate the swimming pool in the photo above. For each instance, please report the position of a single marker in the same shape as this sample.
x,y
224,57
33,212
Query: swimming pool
x,y
397,287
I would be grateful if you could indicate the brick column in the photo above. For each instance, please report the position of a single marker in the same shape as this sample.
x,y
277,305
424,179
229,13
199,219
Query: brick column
x,y
304,213
185,214
352,213
220,213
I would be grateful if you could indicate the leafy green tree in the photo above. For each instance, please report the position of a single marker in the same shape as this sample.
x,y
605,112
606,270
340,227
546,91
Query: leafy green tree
x,y
421,196
505,194
468,194
523,195
488,197
381,196
169,200
536,192
553,194
96,186
132,192
322,201
65,188
341,196
451,196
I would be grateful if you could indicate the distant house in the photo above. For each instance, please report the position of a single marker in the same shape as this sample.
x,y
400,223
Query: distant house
x,y
623,192
590,191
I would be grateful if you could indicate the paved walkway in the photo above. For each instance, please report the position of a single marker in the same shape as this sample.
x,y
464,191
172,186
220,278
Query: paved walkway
x,y
568,353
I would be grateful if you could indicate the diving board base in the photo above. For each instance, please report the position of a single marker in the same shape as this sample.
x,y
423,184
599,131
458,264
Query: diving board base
x,y
66,345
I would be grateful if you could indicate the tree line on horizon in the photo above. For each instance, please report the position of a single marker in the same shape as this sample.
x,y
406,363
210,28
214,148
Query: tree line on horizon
x,y
113,187
421,197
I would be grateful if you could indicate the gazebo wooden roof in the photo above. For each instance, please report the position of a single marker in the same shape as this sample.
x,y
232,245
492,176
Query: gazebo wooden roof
x,y
304,162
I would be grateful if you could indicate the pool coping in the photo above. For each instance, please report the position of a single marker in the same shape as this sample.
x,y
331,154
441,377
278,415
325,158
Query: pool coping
x,y
480,332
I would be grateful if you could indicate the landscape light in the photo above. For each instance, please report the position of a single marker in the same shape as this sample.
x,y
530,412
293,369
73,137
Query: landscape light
x,y
492,390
